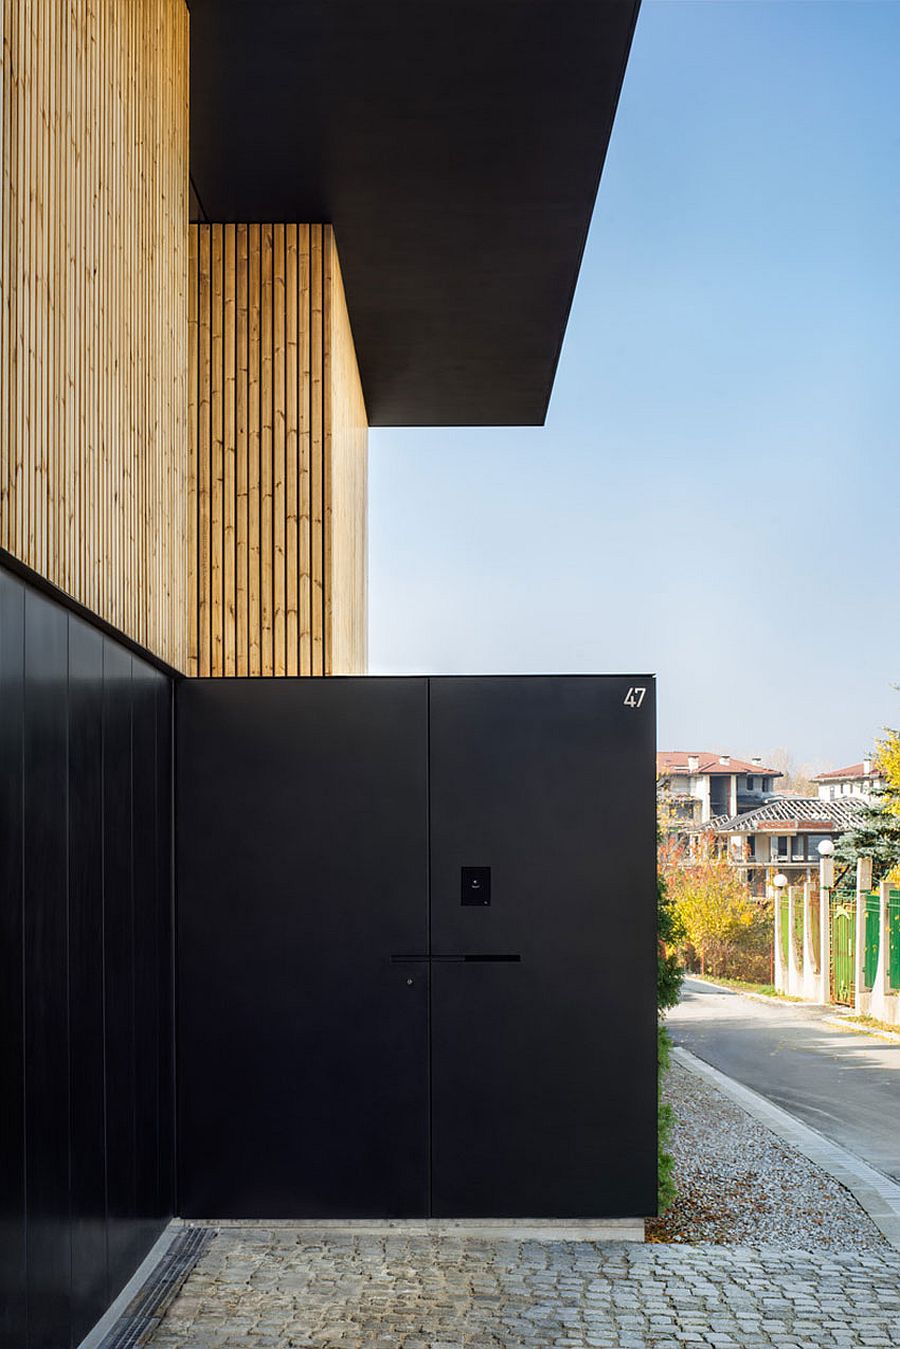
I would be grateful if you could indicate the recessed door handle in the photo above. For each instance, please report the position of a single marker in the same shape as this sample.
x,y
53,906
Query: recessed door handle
x,y
484,958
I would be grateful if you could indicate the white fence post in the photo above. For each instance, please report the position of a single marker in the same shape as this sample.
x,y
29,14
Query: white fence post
x,y
863,873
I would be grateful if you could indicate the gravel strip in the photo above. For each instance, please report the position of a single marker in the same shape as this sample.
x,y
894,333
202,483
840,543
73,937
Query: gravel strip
x,y
740,1185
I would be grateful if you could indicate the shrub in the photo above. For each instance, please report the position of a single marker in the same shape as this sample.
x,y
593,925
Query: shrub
x,y
669,977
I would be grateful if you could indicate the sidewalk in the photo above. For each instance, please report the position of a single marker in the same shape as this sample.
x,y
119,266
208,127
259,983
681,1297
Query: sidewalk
x,y
844,1084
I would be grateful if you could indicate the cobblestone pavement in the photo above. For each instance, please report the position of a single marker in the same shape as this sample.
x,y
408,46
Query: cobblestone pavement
x,y
259,1287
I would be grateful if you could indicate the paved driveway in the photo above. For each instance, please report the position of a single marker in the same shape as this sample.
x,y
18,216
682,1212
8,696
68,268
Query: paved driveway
x,y
845,1085
256,1287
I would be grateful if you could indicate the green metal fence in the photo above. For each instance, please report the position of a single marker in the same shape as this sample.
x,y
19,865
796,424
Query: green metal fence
x,y
843,948
873,924
894,938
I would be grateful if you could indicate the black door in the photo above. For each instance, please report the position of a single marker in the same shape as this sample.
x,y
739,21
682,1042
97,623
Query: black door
x,y
543,1046
416,947
302,867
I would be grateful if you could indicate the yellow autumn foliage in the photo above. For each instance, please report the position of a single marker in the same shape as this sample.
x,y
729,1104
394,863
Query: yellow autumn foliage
x,y
887,758
720,919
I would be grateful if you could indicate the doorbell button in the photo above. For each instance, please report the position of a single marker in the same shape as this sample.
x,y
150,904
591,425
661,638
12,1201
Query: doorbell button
x,y
476,886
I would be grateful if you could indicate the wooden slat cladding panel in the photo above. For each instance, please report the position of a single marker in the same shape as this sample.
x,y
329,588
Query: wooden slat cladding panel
x,y
93,320
278,451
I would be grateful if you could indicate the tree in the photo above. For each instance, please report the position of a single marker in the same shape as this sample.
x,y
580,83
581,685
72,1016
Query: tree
x,y
876,835
796,777
713,906
888,760
877,832
669,977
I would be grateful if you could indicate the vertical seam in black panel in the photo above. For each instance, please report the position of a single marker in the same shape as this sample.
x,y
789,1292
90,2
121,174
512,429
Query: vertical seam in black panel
x,y
22,762
134,1063
103,987
69,975
430,968
157,919
173,960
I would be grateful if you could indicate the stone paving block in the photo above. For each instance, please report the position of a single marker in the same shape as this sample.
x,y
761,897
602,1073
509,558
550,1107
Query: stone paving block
x,y
258,1288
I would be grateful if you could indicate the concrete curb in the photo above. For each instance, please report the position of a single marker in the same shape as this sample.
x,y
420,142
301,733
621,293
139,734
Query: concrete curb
x,y
116,1308
877,1194
860,1028
485,1229
767,999
829,1016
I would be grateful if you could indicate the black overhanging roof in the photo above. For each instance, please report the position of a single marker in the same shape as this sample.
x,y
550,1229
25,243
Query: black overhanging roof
x,y
456,147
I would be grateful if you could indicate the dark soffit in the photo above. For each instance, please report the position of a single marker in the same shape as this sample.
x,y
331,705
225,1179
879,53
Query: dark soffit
x,y
455,145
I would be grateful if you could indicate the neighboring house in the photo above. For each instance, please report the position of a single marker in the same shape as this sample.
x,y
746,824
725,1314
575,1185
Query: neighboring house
x,y
700,785
784,834
861,780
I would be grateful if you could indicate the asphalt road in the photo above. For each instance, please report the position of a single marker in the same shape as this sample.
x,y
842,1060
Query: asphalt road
x,y
844,1084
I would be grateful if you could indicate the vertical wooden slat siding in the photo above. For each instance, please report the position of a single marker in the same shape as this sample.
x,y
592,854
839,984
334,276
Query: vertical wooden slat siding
x,y
266,561
279,652
253,397
202,398
217,318
284,399
95,358
291,458
228,438
240,457
316,448
303,523
346,542
193,595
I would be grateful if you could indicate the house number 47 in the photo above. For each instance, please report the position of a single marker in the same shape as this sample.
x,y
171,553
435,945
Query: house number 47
x,y
634,697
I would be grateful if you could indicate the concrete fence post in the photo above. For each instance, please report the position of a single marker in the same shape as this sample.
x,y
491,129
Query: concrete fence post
x,y
792,945
780,978
859,954
808,968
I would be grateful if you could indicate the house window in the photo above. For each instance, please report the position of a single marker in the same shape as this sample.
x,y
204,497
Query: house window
x,y
812,845
750,782
780,848
798,848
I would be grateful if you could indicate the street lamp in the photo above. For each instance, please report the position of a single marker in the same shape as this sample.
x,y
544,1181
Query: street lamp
x,y
780,880
826,881
826,864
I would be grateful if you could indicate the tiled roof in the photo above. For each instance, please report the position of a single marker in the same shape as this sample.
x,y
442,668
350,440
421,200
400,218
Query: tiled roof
x,y
801,813
856,770
676,761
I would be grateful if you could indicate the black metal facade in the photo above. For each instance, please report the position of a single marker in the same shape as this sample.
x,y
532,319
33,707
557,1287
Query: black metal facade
x,y
86,1031
416,946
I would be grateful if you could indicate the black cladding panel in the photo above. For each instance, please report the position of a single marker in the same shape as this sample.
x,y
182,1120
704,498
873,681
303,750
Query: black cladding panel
x,y
48,1245
301,866
12,1056
347,1048
86,1029
73,1055
544,1070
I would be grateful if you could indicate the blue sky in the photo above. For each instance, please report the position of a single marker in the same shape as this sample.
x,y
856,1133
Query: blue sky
x,y
715,495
